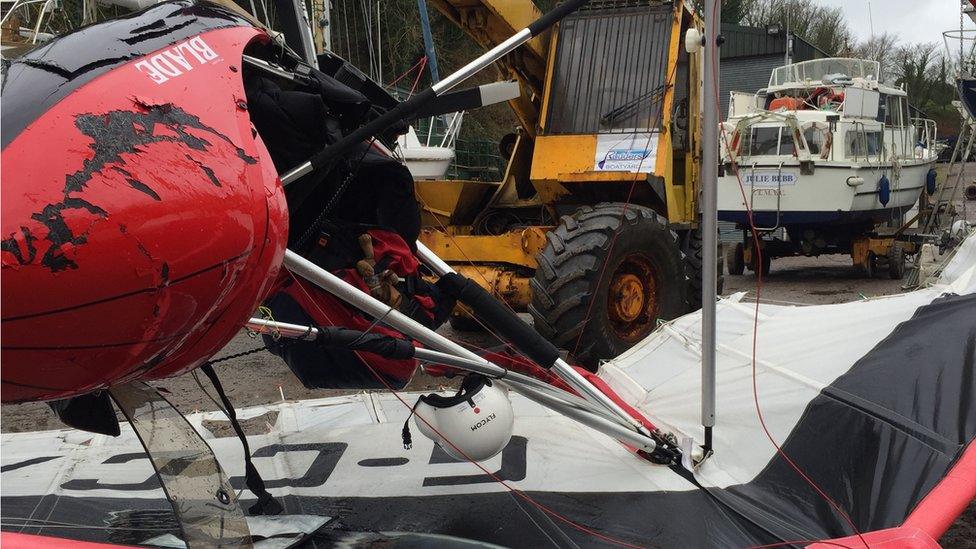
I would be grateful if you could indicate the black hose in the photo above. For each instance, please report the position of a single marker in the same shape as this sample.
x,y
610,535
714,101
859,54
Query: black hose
x,y
500,319
355,340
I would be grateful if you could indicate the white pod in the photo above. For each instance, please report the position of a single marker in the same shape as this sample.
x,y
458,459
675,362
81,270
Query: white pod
x,y
478,419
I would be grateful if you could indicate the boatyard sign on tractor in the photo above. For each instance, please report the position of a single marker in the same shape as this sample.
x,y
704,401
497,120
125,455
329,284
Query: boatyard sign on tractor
x,y
631,152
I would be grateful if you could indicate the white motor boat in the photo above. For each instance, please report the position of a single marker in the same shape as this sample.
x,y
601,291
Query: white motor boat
x,y
826,152
425,161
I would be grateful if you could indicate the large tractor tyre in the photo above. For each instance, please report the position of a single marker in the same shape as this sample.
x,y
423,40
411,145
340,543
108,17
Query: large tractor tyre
x,y
694,255
597,294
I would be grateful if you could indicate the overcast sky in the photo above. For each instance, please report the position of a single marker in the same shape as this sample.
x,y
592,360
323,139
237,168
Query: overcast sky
x,y
911,20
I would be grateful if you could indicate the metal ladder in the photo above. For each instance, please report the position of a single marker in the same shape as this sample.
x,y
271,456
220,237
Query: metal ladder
x,y
933,220
779,198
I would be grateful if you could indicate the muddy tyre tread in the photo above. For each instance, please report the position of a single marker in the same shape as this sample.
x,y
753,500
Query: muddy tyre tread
x,y
570,265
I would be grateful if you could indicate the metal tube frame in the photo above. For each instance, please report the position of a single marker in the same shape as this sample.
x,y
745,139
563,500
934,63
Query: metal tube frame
x,y
597,422
709,186
397,320
483,366
515,380
565,372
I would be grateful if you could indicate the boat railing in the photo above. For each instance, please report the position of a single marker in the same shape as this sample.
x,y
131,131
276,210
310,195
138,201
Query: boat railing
x,y
861,129
960,49
30,35
926,132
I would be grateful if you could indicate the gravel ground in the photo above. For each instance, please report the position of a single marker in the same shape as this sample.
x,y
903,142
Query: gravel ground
x,y
262,378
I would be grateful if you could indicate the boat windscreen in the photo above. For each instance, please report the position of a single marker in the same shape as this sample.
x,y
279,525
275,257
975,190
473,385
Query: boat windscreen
x,y
815,70
768,141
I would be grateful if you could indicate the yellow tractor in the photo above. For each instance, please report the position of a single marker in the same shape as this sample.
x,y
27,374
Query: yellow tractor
x,y
594,227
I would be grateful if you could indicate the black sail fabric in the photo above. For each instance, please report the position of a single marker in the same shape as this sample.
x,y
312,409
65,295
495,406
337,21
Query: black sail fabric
x,y
880,436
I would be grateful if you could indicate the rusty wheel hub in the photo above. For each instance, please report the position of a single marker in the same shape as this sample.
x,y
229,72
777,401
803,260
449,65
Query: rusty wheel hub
x,y
628,298
631,300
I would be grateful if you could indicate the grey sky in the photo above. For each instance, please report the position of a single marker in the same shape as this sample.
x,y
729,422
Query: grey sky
x,y
911,20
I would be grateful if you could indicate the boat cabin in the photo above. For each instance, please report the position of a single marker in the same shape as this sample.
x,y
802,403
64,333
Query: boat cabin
x,y
825,110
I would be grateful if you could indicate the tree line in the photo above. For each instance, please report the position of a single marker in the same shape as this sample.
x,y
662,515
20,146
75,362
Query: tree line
x,y
924,69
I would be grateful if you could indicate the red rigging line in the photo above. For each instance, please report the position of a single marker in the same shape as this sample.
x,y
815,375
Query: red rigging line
x,y
420,72
420,62
668,83
493,476
714,31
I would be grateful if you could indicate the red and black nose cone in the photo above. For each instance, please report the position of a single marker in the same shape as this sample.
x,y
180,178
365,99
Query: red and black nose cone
x,y
143,220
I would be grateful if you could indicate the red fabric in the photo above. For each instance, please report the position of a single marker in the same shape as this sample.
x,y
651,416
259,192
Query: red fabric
x,y
892,538
13,540
392,251
389,245
947,500
327,310
605,389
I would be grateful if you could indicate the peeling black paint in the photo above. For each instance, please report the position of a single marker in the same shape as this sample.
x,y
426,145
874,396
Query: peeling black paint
x,y
137,185
10,244
206,170
113,135
142,187
47,74
144,33
119,132
58,232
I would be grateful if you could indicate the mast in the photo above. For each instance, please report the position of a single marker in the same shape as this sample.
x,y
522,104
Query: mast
x,y
428,41
709,181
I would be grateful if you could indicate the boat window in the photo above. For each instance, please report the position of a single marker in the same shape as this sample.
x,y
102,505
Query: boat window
x,y
815,139
893,111
769,141
816,69
883,109
874,143
863,144
786,145
764,141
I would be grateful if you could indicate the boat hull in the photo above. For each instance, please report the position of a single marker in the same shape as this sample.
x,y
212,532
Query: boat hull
x,y
784,196
430,165
966,87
